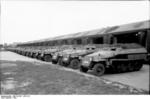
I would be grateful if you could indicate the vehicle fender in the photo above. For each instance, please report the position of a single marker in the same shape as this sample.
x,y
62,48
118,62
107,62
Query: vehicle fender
x,y
74,56
98,59
101,60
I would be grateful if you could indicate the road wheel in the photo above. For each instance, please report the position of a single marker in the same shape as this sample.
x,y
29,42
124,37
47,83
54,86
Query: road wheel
x,y
131,66
119,68
83,69
124,67
138,65
99,69
74,64
47,58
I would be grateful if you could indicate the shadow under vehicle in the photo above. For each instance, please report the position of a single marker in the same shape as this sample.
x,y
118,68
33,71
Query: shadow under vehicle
x,y
72,59
119,58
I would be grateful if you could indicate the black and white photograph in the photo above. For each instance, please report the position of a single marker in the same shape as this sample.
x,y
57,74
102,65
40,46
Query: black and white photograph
x,y
74,47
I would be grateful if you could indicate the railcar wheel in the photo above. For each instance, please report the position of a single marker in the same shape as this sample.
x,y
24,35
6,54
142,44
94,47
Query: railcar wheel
x,y
47,58
99,69
83,69
74,64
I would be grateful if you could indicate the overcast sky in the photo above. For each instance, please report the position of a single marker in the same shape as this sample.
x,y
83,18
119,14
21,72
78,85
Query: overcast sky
x,y
32,20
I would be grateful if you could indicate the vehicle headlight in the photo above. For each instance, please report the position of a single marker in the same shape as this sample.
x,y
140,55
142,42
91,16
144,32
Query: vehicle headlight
x,y
54,56
65,58
85,62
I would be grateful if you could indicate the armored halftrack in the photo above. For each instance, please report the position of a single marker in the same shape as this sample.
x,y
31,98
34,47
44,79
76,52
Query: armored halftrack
x,y
47,54
117,59
34,53
28,52
72,59
57,57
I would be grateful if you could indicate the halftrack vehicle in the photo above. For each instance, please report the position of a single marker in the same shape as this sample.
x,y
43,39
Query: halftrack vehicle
x,y
46,55
72,59
117,59
57,57
34,53
28,52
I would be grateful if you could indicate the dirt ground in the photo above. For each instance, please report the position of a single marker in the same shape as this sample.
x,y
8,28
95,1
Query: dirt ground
x,y
20,76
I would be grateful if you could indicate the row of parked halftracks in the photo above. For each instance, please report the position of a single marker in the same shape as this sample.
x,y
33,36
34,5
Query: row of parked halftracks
x,y
98,59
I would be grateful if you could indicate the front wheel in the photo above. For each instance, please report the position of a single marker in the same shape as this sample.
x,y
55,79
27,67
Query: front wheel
x,y
99,69
83,69
75,64
47,58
